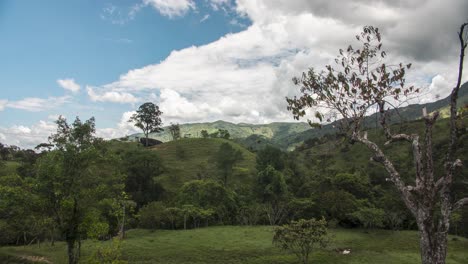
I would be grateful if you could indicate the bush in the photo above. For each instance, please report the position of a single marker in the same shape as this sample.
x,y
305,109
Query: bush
x,y
151,216
300,237
110,254
370,217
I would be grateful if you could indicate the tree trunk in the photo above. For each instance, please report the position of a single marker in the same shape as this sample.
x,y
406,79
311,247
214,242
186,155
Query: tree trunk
x,y
433,246
72,254
432,238
52,236
122,226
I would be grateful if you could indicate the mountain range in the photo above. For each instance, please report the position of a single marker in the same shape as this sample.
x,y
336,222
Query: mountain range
x,y
288,135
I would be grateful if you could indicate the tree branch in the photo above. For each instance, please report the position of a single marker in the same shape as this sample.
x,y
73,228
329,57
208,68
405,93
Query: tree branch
x,y
460,203
394,174
430,121
398,137
454,95
413,139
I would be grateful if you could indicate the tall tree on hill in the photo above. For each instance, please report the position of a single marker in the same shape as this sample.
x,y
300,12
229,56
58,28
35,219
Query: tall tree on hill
x,y
225,159
204,134
4,151
148,119
175,131
363,82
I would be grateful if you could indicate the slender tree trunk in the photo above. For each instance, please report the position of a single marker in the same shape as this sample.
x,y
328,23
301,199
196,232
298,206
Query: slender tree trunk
x,y
72,236
52,236
71,250
122,226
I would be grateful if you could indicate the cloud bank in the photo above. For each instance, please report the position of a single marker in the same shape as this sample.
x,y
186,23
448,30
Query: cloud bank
x,y
245,76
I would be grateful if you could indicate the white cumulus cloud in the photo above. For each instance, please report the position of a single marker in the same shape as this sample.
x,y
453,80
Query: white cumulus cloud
x,y
27,136
111,96
171,8
123,128
34,104
69,84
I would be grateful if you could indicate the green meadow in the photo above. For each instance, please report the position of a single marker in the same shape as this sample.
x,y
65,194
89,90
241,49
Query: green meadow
x,y
244,244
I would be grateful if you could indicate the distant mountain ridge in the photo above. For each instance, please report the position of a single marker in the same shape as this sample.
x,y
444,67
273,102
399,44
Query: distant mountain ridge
x,y
288,135
241,130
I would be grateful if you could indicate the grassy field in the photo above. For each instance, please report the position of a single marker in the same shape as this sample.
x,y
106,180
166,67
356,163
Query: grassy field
x,y
234,244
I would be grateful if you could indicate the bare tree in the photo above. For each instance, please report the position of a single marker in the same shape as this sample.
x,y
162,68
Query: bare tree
x,y
364,83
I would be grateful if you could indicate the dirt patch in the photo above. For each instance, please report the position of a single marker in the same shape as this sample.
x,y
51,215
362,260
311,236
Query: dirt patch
x,y
38,259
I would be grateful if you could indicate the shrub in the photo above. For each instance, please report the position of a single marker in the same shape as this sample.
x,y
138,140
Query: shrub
x,y
300,237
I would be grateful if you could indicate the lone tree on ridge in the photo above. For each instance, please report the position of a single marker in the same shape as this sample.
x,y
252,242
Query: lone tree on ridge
x,y
148,119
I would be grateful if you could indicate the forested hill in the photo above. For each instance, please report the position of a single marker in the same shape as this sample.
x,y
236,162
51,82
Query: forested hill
x,y
288,135
241,130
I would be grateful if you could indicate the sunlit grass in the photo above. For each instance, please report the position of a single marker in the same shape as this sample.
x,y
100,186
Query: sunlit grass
x,y
235,244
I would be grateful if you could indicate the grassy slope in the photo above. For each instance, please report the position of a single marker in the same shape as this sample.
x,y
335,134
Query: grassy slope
x,y
233,244
199,161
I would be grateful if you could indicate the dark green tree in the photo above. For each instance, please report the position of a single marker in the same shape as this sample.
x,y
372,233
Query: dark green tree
x,y
4,151
273,191
300,237
73,178
208,194
225,159
224,133
142,166
22,218
270,156
370,217
174,129
204,134
148,119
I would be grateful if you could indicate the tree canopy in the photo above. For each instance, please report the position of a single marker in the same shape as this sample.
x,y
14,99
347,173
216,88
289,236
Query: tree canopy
x,y
148,119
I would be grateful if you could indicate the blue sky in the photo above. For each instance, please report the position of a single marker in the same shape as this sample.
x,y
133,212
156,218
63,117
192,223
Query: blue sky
x,y
199,60
82,40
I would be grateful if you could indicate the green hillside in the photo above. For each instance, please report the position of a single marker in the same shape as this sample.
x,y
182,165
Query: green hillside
x,y
242,130
193,158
